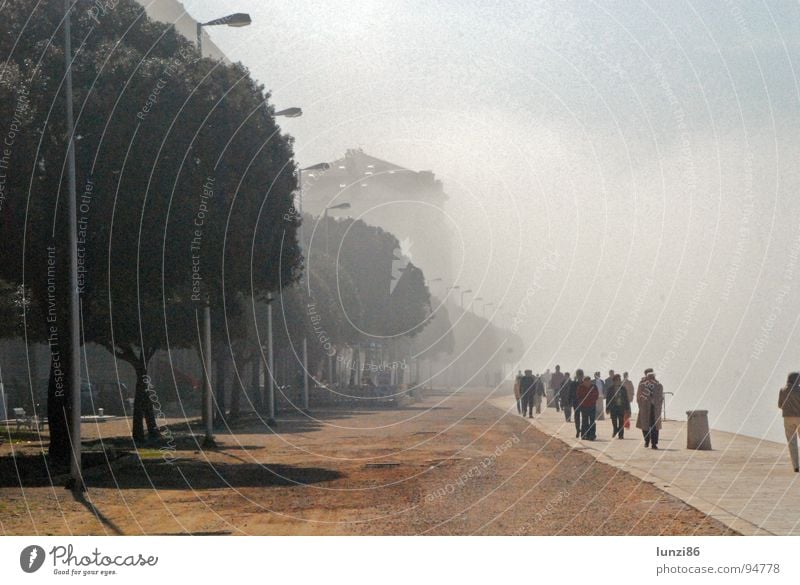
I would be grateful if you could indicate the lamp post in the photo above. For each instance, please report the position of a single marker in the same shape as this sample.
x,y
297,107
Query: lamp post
x,y
327,232
208,402
290,113
464,292
208,440
449,288
317,167
238,19
325,218
270,365
76,478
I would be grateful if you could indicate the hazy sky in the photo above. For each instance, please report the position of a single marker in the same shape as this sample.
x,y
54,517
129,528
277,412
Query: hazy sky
x,y
650,147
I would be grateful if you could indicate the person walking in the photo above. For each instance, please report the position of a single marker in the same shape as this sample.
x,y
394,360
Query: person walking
x,y
572,398
627,383
617,406
789,403
527,387
546,382
538,393
650,398
610,380
563,393
556,382
517,395
587,395
601,393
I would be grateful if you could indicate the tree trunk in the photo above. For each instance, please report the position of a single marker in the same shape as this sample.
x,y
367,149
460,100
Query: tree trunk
x,y
236,393
59,405
256,387
56,319
219,387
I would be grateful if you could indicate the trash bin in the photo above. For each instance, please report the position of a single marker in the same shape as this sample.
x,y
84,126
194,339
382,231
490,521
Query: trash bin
x,y
697,433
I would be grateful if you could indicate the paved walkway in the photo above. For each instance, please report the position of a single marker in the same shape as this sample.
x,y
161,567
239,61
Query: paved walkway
x,y
746,483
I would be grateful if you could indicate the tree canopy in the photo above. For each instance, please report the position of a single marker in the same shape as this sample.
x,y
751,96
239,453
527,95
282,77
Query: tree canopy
x,y
184,179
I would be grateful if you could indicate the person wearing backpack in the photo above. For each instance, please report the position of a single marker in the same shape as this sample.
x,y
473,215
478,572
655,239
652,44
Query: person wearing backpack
x,y
789,403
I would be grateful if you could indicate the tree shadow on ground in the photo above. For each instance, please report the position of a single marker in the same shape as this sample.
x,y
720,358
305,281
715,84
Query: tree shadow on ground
x,y
193,474
128,471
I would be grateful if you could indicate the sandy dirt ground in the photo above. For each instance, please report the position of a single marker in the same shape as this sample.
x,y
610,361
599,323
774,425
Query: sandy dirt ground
x,y
448,464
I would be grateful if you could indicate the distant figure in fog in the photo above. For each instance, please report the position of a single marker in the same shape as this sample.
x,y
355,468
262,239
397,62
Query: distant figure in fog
x,y
527,387
789,403
610,380
628,385
517,394
573,400
546,377
650,397
546,381
601,394
538,393
586,395
564,399
617,406
556,381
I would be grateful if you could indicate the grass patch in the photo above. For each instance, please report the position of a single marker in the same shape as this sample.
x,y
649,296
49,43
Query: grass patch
x,y
13,436
147,453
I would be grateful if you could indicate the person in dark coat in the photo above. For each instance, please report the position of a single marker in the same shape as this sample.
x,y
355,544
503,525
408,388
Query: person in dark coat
x,y
527,387
563,396
557,380
572,395
586,395
617,406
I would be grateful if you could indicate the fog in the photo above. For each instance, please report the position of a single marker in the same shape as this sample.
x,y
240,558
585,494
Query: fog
x,y
624,175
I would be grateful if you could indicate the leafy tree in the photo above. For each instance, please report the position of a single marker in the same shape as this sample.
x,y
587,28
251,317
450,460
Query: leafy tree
x,y
165,140
410,306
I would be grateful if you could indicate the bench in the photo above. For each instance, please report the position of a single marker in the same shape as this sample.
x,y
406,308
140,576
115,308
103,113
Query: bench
x,y
25,420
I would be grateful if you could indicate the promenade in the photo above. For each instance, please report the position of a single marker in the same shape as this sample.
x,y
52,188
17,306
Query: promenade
x,y
746,483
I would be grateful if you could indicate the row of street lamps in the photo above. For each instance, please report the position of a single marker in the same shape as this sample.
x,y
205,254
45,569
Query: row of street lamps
x,y
233,20
238,19
457,287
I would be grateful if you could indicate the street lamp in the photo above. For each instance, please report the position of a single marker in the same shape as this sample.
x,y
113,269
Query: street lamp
x,y
317,167
464,292
431,281
290,113
325,219
76,479
270,365
344,205
237,20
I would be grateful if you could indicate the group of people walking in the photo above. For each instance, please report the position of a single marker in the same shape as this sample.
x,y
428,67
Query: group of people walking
x,y
585,400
